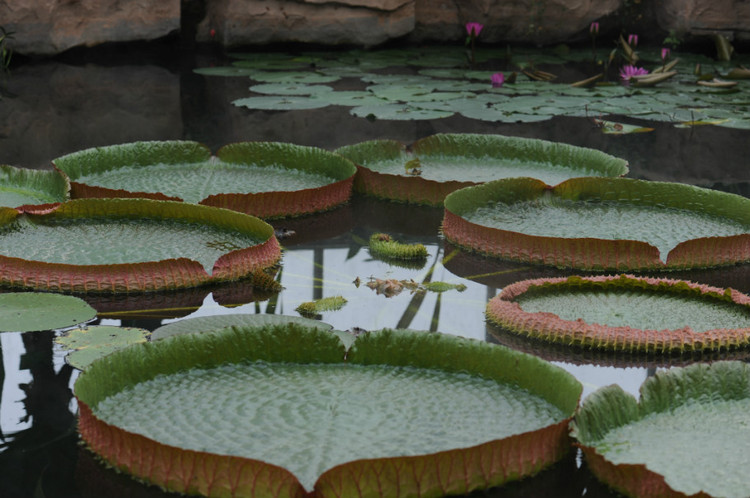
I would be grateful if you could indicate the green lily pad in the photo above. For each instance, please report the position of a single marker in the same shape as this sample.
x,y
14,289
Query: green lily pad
x,y
267,179
128,245
91,343
625,313
25,186
280,103
686,437
601,223
32,311
447,162
398,112
218,322
396,404
292,77
290,89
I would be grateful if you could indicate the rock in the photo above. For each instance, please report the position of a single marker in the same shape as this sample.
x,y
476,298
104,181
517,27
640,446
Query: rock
x,y
47,27
527,21
346,22
729,18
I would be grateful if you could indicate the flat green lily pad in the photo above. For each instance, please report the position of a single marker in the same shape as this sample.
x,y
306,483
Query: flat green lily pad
x,y
686,437
91,343
126,245
31,311
601,223
625,313
397,402
20,186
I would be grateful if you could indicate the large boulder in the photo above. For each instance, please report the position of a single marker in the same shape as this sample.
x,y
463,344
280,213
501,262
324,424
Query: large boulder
x,y
525,21
343,22
729,18
47,27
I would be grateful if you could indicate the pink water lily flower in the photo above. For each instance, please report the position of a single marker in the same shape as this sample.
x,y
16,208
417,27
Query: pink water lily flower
x,y
474,28
594,28
664,54
633,40
497,80
627,72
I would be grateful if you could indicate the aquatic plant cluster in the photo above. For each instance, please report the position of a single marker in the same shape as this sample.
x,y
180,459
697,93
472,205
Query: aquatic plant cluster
x,y
307,410
222,238
440,85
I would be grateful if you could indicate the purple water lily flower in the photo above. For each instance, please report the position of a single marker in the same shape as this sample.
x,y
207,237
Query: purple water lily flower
x,y
627,72
474,28
497,80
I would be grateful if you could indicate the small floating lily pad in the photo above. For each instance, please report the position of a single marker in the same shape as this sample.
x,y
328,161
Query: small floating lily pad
x,y
601,223
31,311
266,179
447,162
625,313
131,245
19,186
686,437
390,416
91,343
383,246
312,309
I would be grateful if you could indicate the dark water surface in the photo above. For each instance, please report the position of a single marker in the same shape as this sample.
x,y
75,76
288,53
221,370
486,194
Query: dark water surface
x,y
50,108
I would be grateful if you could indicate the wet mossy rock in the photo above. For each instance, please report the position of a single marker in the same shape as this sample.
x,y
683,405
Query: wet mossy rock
x,y
20,186
601,224
527,408
687,436
265,179
130,245
625,313
440,164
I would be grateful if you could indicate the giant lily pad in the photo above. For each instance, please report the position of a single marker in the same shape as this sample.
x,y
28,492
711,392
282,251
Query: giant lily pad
x,y
266,179
286,410
625,313
20,186
130,245
439,164
601,223
686,437
30,311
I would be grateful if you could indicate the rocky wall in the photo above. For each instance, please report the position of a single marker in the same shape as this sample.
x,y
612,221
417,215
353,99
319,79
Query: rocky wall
x,y
49,27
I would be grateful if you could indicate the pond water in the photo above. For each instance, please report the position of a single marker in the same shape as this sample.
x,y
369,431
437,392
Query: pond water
x,y
54,107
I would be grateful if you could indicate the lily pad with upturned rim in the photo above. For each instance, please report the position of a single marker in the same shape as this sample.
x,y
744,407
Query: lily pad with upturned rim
x,y
32,311
130,245
448,162
601,223
298,358
625,313
266,179
19,186
687,436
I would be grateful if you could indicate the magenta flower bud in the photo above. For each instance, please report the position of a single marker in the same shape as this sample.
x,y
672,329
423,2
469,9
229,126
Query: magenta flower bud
x,y
474,28
497,80
664,54
594,28
633,40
